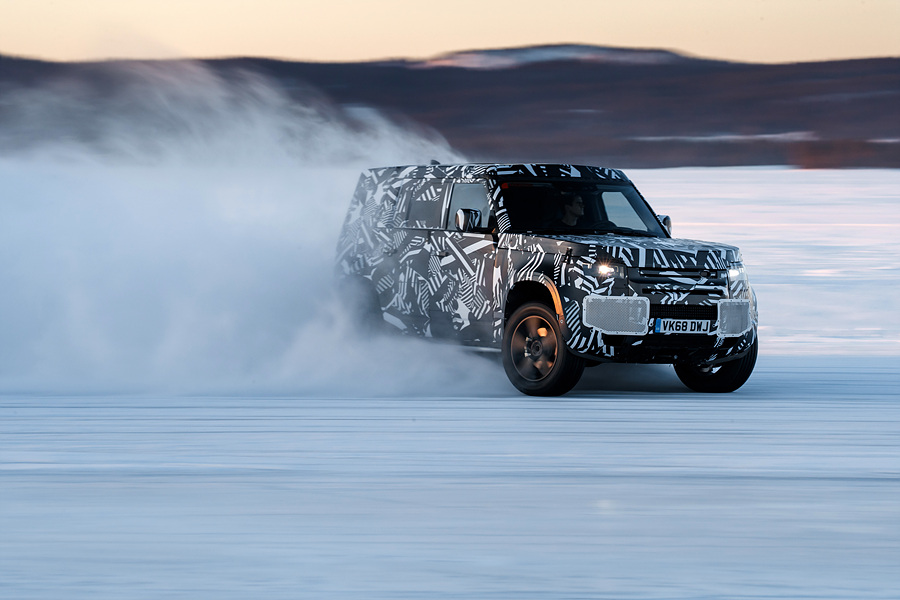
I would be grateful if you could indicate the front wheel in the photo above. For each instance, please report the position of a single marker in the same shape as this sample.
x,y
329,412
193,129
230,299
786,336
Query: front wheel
x,y
535,356
721,378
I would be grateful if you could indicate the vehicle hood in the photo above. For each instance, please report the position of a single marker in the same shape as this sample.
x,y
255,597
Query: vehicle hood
x,y
632,251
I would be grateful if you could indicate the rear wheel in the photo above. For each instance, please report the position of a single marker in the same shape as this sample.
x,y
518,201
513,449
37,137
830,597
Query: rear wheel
x,y
721,378
535,356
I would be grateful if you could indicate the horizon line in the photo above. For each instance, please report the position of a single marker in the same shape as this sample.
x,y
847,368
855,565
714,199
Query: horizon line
x,y
451,53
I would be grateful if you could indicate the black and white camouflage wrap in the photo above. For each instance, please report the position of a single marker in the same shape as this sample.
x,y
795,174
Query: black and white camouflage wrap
x,y
439,282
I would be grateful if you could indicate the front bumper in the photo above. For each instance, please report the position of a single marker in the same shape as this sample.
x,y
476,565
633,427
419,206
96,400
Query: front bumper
x,y
621,329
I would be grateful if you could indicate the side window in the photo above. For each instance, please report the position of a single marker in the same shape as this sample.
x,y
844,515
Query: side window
x,y
422,203
620,212
468,195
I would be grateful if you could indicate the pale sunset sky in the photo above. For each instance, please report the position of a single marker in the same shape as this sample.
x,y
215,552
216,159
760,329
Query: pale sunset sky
x,y
347,30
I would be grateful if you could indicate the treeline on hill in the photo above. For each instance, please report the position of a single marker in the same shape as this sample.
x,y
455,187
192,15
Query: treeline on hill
x,y
683,112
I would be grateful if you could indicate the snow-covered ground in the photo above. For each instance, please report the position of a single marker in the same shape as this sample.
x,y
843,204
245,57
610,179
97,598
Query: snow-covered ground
x,y
183,413
629,487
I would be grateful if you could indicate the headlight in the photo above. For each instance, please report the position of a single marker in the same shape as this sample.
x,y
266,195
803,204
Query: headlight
x,y
610,270
738,282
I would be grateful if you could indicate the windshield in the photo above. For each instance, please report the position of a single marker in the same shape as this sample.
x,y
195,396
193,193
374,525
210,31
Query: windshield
x,y
553,206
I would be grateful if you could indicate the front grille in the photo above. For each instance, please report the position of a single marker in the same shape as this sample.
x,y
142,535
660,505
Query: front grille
x,y
683,311
706,283
684,276
683,272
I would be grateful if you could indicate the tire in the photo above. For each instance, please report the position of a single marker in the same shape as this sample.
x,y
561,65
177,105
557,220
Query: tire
x,y
535,356
722,378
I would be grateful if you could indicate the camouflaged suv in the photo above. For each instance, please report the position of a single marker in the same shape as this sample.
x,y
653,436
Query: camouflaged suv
x,y
556,266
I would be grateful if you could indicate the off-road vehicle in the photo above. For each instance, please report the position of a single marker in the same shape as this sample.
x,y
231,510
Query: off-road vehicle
x,y
556,266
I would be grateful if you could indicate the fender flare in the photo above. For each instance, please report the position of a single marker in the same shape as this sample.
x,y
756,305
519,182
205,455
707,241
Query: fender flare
x,y
554,294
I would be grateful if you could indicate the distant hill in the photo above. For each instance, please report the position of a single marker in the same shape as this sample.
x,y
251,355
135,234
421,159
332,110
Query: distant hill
x,y
505,58
613,106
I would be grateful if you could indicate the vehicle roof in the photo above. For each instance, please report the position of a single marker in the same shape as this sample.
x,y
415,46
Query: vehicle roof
x,y
502,170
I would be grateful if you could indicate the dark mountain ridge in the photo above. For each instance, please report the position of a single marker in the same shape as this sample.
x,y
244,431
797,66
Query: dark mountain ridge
x,y
617,107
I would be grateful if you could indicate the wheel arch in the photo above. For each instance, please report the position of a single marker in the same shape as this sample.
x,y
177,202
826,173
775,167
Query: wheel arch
x,y
538,288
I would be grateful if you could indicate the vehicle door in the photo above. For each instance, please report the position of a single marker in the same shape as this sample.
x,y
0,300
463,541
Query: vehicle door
x,y
462,273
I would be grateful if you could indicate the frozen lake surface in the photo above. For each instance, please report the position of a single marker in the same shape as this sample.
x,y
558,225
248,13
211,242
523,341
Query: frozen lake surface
x,y
629,487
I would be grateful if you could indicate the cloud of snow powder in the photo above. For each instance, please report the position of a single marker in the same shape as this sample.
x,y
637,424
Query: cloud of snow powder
x,y
169,228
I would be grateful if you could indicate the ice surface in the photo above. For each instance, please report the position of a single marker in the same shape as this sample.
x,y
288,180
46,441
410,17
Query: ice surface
x,y
787,488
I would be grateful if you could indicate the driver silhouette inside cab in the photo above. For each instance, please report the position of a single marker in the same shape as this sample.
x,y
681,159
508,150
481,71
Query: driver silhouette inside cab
x,y
572,213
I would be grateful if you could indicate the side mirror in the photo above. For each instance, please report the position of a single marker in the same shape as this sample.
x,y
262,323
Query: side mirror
x,y
467,219
666,222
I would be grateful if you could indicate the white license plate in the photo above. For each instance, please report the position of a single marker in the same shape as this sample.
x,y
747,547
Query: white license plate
x,y
682,326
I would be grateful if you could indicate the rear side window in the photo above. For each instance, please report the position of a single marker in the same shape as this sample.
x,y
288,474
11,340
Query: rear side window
x,y
422,203
468,195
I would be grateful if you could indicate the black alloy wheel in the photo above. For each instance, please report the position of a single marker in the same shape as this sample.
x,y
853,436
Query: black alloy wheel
x,y
535,356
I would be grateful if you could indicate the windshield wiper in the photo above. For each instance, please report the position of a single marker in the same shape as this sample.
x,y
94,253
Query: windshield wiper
x,y
628,231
